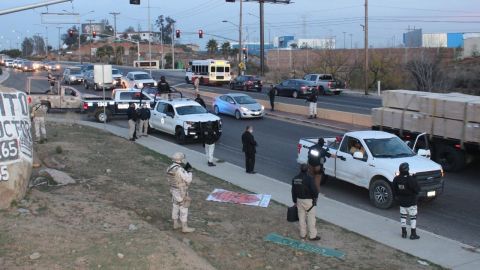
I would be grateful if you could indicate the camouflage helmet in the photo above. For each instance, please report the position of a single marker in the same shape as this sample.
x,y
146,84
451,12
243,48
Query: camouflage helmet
x,y
178,157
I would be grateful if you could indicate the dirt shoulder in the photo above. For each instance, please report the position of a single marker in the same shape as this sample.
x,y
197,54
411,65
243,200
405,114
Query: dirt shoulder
x,y
117,216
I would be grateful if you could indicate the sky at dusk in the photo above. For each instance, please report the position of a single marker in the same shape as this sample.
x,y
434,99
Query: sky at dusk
x,y
302,18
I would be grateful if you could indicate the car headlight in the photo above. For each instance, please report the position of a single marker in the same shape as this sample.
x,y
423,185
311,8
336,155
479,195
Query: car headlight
x,y
57,66
263,108
443,173
154,83
243,109
72,78
140,85
188,123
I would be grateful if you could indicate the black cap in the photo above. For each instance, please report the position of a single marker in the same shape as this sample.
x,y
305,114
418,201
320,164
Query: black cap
x,y
303,167
404,168
321,141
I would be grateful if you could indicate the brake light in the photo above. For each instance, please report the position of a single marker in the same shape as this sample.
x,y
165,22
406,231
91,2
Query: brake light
x,y
29,100
303,88
299,147
85,106
329,84
458,146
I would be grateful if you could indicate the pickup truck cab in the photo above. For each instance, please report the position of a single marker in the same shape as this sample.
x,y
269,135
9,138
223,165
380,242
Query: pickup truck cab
x,y
115,105
139,79
181,117
374,165
62,97
326,83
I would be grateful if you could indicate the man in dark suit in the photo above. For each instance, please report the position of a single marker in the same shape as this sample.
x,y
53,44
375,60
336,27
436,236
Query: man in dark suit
x,y
249,145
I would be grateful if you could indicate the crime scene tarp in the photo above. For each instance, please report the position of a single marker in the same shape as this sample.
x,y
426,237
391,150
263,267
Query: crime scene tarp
x,y
299,245
221,195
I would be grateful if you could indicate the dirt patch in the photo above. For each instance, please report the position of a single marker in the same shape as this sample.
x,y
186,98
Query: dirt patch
x,y
119,184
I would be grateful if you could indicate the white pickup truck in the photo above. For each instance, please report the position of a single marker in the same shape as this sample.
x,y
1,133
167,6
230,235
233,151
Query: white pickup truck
x,y
376,163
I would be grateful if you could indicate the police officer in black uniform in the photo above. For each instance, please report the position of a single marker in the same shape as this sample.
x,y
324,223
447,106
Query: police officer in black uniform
x,y
304,196
163,87
317,156
209,136
200,101
132,115
406,189
271,95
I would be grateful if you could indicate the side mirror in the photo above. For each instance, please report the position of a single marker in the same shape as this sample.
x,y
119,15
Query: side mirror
x,y
358,155
424,153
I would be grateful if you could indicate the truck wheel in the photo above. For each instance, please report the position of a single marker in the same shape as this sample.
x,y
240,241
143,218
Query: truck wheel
x,y
450,158
295,94
381,194
180,135
101,116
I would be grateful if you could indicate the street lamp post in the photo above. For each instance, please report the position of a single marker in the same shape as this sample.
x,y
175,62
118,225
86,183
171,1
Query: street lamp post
x,y
240,51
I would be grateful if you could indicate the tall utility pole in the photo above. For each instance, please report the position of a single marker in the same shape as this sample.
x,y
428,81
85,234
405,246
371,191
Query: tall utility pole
x,y
173,46
59,39
46,40
262,38
344,40
115,23
366,47
150,39
91,39
351,41
240,48
115,33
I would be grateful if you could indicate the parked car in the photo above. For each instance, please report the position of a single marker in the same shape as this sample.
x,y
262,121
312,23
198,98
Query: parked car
x,y
246,82
9,63
326,83
238,105
294,88
89,82
27,66
139,79
72,75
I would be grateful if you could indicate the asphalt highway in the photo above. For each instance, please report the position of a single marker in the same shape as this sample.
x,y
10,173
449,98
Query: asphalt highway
x,y
455,214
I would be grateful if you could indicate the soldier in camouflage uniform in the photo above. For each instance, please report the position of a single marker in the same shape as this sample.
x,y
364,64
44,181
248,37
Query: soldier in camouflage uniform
x,y
179,178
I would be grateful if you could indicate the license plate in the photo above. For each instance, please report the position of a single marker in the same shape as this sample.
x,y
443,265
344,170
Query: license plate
x,y
431,194
102,104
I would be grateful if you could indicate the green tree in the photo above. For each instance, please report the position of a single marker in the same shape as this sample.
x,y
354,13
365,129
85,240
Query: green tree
x,y
27,46
119,53
165,27
71,41
212,46
13,53
38,45
225,49
136,37
101,53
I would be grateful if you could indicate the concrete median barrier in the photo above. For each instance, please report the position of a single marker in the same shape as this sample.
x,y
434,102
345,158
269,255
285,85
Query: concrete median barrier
x,y
333,115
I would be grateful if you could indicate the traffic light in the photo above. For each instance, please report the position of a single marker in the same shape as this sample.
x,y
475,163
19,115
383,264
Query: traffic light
x,y
70,32
94,34
134,2
177,33
200,33
245,53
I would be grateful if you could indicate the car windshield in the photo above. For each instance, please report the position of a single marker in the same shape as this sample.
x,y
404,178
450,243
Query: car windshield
x,y
190,109
75,72
142,77
115,71
252,78
244,100
389,148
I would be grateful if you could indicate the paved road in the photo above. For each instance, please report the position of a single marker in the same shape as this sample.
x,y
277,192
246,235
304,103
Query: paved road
x,y
347,103
455,214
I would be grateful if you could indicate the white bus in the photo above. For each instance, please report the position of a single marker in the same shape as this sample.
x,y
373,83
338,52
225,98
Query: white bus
x,y
208,71
145,64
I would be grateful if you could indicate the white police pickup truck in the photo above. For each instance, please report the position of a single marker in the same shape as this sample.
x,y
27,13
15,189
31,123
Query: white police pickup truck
x,y
181,117
374,162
